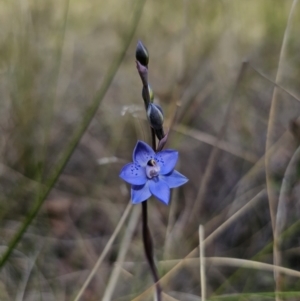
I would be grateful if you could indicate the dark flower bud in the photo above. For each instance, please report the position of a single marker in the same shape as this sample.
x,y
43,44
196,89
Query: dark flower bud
x,y
141,54
156,119
155,116
148,96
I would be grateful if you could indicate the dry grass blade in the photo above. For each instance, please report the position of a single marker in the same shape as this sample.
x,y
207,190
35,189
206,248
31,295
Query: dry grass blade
x,y
212,160
169,298
271,136
133,220
288,181
184,296
271,122
230,209
171,223
211,140
235,216
202,263
273,113
105,251
194,252
275,84
31,263
235,262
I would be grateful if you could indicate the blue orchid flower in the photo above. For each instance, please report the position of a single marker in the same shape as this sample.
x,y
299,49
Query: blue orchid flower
x,y
152,173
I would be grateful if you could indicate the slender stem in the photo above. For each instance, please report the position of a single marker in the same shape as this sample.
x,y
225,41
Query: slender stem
x,y
148,246
147,239
153,139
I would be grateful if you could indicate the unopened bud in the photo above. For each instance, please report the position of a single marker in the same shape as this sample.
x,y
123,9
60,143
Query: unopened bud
x,y
141,54
156,119
155,116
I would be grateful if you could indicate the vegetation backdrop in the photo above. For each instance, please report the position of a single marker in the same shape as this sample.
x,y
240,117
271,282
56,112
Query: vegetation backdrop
x,y
71,112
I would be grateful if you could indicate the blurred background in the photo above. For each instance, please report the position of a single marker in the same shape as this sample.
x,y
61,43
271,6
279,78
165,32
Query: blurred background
x,y
215,64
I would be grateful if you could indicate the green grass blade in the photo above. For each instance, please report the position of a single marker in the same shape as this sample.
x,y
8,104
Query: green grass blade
x,y
79,131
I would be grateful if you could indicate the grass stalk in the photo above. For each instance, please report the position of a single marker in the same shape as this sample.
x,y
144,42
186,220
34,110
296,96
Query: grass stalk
x,y
271,122
289,179
213,157
233,262
234,217
202,263
274,83
105,251
208,239
272,197
133,220
212,140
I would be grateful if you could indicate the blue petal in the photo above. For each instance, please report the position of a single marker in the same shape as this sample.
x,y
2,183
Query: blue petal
x,y
142,153
174,179
133,174
140,193
160,190
167,160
